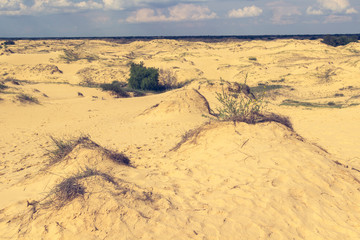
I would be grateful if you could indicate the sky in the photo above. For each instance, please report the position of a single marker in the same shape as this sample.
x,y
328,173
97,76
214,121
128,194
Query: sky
x,y
116,18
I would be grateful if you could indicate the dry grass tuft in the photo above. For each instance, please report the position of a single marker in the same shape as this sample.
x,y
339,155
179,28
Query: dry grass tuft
x,y
64,146
71,188
26,98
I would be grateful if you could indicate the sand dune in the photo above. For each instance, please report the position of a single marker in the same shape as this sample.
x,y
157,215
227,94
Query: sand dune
x,y
190,176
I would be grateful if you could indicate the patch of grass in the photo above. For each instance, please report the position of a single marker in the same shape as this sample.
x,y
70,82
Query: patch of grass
x,y
26,98
70,56
294,103
73,56
116,88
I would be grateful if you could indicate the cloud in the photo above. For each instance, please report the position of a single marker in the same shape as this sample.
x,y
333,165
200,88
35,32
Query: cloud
x,y
311,11
337,19
114,4
283,13
251,11
11,7
334,5
351,11
331,7
18,7
180,12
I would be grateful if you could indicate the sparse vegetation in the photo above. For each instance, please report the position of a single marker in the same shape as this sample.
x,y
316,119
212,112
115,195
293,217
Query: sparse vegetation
x,y
294,103
339,40
237,107
246,108
64,146
26,98
262,88
3,86
71,188
168,79
117,88
73,56
9,42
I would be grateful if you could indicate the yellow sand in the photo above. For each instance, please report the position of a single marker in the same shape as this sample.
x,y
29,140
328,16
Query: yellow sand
x,y
224,181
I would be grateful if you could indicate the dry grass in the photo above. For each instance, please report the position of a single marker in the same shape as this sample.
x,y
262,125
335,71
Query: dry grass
x,y
26,98
64,146
71,188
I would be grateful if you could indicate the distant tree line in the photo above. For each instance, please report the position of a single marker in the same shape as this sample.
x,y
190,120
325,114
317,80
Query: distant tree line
x,y
335,40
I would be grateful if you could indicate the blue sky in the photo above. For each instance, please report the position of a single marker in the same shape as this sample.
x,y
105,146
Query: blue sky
x,y
95,18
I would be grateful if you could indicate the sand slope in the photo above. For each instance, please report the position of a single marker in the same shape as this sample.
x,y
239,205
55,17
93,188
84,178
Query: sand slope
x,y
189,177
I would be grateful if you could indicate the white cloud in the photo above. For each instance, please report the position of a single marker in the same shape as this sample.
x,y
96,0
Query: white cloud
x,y
331,7
113,4
312,11
334,5
351,11
337,19
284,13
251,11
180,12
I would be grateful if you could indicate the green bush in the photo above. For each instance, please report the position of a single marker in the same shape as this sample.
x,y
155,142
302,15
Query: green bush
x,y
237,107
144,78
339,40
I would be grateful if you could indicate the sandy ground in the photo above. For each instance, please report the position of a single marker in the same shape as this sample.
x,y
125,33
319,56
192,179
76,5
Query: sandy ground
x,y
225,181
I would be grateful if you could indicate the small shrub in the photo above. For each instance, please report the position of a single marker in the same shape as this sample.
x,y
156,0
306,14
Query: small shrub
x,y
144,78
167,79
237,107
3,86
26,98
116,88
9,42
70,56
339,40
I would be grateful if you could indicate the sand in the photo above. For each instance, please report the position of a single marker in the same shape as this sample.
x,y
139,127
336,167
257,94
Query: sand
x,y
223,181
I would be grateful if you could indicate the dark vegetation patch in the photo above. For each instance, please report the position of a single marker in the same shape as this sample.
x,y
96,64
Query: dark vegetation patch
x,y
3,86
294,103
26,98
261,88
73,56
116,88
334,40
